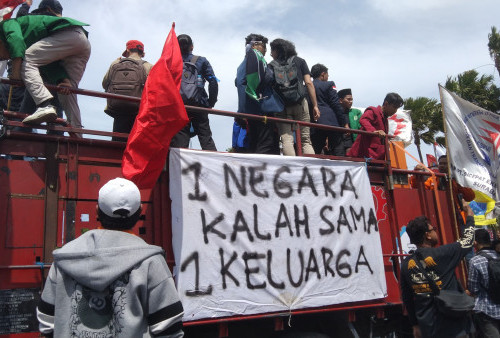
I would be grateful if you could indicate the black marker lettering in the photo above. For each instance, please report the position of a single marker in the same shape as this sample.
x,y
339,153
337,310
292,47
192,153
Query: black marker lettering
x,y
343,269
224,270
306,175
248,271
282,188
289,268
211,227
257,177
362,262
196,292
282,224
196,168
326,220
241,186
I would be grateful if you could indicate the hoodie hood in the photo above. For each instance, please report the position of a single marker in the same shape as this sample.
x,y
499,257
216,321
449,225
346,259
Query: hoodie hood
x,y
99,257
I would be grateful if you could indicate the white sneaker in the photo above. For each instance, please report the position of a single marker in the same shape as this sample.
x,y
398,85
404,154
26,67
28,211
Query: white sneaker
x,y
42,114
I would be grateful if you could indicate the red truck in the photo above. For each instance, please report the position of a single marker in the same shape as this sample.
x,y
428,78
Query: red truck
x,y
48,192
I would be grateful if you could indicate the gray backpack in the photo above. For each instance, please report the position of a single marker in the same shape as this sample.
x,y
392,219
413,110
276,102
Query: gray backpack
x,y
127,77
287,82
191,88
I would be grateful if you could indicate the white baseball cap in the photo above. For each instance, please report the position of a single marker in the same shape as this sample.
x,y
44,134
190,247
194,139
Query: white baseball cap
x,y
119,194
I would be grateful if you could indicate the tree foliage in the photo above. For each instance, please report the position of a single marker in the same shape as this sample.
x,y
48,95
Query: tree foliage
x,y
427,121
479,90
494,47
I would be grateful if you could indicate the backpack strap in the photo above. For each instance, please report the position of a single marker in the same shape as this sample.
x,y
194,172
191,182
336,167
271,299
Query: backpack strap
x,y
194,59
144,75
485,255
417,257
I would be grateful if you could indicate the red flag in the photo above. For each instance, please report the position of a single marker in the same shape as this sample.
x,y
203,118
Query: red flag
x,y
431,161
7,7
161,115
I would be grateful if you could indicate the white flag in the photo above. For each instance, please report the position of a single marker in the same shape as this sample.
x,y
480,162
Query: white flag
x,y
473,137
400,126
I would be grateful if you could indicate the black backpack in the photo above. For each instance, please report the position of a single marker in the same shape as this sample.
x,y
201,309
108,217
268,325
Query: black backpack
x,y
493,277
127,77
287,82
192,84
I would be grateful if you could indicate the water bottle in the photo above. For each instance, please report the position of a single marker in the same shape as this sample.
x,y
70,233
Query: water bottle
x,y
199,82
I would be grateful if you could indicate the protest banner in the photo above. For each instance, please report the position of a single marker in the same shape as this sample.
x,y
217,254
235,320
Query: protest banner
x,y
473,139
258,234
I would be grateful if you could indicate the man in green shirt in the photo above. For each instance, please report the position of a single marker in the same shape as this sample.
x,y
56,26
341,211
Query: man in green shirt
x,y
351,114
61,45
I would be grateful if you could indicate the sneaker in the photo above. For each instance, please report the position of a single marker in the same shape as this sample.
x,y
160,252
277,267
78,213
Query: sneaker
x,y
42,114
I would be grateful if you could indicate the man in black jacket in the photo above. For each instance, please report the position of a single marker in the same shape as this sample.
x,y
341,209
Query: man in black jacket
x,y
439,263
332,113
199,120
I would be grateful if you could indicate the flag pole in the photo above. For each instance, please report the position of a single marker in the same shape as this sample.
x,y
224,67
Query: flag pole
x,y
457,234
9,100
448,160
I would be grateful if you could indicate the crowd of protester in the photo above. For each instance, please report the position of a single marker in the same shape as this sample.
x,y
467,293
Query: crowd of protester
x,y
285,88
44,47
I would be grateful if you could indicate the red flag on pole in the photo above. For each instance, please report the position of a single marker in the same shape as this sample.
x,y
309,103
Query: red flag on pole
x,y
161,115
431,161
7,7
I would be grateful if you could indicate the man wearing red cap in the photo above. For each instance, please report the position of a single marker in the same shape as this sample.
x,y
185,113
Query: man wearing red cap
x,y
126,76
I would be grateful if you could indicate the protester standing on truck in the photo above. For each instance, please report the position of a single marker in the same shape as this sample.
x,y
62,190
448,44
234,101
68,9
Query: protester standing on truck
x,y
126,76
108,282
28,106
34,41
250,82
439,263
196,71
483,287
332,113
352,116
290,74
374,119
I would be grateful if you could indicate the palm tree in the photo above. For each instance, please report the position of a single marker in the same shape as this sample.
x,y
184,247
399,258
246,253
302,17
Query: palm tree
x,y
479,90
494,47
426,119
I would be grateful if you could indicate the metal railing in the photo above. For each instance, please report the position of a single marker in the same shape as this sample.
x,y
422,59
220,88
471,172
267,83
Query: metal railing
x,y
62,125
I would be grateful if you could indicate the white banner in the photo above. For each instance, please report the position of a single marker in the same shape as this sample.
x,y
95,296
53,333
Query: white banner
x,y
472,134
400,125
261,233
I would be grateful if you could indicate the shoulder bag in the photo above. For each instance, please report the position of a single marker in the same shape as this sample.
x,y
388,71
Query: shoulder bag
x,y
449,303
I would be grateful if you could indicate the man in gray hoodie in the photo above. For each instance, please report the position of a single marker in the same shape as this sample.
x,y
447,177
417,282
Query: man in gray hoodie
x,y
108,282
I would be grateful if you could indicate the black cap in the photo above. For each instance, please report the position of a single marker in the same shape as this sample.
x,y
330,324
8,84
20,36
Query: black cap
x,y
54,5
344,92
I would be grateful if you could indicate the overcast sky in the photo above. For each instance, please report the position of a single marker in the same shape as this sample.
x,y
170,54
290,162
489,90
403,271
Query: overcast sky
x,y
371,46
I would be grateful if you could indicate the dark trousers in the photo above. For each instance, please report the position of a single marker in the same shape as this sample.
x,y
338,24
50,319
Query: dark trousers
x,y
201,126
123,124
263,138
335,142
16,99
486,326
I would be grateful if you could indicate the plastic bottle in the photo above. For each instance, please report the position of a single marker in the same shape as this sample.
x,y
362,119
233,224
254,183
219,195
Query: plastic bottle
x,y
199,82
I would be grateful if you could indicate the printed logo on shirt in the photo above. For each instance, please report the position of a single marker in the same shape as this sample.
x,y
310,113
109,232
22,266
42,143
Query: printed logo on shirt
x,y
419,281
98,314
468,238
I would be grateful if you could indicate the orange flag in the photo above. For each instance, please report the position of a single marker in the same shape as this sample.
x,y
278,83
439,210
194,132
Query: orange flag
x,y
161,115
